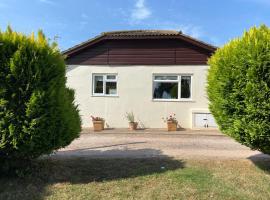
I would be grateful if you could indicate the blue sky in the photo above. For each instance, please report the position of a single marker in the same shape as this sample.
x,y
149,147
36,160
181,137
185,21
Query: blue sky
x,y
74,21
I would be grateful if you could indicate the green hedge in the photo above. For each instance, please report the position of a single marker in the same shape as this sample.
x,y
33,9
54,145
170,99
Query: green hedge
x,y
37,111
239,88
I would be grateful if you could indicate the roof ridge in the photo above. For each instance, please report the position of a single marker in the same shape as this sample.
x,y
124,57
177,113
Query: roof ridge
x,y
143,31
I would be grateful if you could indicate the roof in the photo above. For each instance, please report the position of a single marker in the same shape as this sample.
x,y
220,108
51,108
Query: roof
x,y
139,34
142,32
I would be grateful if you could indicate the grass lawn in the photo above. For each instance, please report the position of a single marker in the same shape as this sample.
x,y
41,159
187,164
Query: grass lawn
x,y
141,179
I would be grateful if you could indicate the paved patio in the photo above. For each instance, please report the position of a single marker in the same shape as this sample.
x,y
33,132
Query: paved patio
x,y
186,144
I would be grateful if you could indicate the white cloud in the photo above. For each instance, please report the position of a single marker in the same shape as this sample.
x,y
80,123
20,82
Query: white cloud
x,y
47,2
141,11
83,24
84,16
192,30
84,20
188,29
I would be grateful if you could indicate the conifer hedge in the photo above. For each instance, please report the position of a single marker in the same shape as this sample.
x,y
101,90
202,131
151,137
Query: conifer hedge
x,y
239,88
37,110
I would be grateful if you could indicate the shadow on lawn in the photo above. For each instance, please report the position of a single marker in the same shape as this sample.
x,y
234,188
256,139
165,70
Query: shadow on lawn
x,y
262,161
52,171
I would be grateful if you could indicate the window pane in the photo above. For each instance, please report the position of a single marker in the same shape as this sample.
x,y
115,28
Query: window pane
x,y
98,81
185,86
165,90
111,77
165,77
111,88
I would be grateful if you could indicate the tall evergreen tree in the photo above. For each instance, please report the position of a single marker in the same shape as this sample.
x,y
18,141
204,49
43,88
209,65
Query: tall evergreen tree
x,y
37,110
239,88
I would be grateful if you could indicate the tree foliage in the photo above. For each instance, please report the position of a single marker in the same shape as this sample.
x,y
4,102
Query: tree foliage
x,y
37,111
239,88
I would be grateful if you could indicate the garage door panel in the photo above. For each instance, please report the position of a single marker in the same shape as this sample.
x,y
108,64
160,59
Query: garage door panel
x,y
204,120
200,119
211,121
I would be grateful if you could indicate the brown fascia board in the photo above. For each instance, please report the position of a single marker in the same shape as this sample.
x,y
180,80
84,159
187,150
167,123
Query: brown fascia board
x,y
197,42
83,45
100,38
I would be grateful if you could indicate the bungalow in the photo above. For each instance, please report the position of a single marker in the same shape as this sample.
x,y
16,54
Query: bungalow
x,y
152,73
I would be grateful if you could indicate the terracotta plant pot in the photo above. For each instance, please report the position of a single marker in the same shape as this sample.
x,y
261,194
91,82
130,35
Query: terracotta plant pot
x,y
103,122
172,126
98,125
133,126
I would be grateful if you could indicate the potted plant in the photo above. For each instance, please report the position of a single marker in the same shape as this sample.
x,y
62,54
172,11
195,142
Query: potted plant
x,y
98,123
131,119
171,122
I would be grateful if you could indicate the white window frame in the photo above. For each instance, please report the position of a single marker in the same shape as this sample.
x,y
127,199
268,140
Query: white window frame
x,y
175,81
104,75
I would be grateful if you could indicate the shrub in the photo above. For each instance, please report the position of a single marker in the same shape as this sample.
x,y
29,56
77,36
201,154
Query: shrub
x,y
239,88
130,117
37,111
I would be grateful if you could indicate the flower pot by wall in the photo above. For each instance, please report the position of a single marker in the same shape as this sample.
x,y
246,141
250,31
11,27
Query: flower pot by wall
x,y
133,126
172,126
103,122
98,125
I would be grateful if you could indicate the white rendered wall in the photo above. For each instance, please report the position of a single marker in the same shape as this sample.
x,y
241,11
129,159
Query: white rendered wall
x,y
134,90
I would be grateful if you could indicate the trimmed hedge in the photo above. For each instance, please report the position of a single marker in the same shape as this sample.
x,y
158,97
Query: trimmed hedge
x,y
37,111
239,88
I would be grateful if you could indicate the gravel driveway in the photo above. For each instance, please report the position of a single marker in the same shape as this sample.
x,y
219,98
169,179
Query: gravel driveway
x,y
157,143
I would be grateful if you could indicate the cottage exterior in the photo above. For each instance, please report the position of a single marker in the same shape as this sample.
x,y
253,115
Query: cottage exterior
x,y
153,73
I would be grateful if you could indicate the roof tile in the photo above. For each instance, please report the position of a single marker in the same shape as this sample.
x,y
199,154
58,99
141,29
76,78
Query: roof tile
x,y
142,33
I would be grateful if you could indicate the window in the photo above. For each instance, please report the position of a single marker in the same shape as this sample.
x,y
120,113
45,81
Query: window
x,y
104,84
185,87
174,87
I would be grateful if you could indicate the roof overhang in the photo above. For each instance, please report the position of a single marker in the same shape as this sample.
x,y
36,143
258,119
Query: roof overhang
x,y
115,36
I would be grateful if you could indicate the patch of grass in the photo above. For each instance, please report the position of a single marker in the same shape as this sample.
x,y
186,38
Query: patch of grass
x,y
140,179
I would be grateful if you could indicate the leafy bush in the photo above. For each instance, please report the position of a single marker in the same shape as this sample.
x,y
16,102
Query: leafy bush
x,y
239,88
37,111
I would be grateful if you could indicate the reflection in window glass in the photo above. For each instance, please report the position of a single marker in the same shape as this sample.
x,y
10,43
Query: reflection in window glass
x,y
185,86
165,90
111,77
110,87
98,81
166,78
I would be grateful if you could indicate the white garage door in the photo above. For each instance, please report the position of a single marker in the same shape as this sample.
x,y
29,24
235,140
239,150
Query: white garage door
x,y
204,120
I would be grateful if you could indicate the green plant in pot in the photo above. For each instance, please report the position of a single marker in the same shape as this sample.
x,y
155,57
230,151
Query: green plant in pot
x,y
131,119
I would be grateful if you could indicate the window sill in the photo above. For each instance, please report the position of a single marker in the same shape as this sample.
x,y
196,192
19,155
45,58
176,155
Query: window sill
x,y
173,100
95,95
